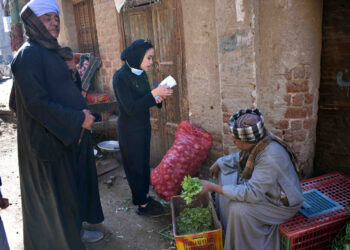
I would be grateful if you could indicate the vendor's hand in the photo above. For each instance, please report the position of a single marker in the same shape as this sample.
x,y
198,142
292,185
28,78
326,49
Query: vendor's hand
x,y
206,186
163,91
214,170
210,187
4,203
89,120
70,64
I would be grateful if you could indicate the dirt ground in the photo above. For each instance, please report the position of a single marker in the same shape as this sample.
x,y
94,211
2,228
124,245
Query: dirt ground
x,y
123,229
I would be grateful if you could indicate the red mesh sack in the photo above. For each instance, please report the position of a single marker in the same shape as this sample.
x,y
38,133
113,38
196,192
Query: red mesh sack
x,y
185,157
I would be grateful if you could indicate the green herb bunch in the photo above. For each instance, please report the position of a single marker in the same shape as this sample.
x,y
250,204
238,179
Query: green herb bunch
x,y
194,220
190,187
342,239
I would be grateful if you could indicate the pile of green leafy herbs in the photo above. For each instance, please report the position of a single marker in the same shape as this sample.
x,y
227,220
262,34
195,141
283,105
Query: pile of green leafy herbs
x,y
194,220
342,240
190,187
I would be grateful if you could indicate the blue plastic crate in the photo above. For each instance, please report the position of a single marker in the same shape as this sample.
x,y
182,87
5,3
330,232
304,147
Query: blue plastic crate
x,y
316,203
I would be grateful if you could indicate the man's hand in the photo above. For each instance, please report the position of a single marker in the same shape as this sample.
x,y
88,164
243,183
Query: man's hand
x,y
210,187
4,203
89,120
214,170
70,64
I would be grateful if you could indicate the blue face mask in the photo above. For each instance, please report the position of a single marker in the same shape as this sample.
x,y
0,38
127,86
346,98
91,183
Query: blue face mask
x,y
135,71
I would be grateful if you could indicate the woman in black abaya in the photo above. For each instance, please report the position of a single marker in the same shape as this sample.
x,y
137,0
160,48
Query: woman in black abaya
x,y
135,98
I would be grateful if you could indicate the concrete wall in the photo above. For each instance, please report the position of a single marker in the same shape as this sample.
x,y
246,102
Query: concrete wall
x,y
290,36
202,73
236,41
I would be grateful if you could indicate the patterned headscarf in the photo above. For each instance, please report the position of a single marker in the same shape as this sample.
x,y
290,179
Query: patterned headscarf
x,y
247,125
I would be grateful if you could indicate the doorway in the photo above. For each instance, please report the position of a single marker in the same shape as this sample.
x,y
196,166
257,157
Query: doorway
x,y
161,22
333,128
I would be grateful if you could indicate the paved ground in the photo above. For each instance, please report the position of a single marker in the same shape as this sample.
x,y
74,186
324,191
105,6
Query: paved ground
x,y
122,227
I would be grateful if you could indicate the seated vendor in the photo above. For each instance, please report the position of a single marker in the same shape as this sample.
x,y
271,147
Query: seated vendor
x,y
258,186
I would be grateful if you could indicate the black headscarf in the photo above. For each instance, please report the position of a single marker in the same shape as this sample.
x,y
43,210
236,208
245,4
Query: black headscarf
x,y
135,52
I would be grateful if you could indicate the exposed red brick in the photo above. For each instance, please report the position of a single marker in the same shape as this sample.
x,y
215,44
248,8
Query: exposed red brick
x,y
299,72
104,71
296,148
307,123
288,136
297,100
299,135
107,64
287,98
283,124
309,98
279,134
295,112
226,117
296,86
288,75
307,72
226,130
224,108
309,110
296,124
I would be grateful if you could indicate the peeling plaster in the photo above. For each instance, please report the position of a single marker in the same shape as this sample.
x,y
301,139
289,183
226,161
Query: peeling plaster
x,y
240,11
238,40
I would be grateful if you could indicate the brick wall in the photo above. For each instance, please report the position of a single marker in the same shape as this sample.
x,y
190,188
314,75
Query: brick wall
x,y
297,125
288,77
109,41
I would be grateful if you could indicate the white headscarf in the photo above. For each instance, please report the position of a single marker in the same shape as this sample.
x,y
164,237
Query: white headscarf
x,y
41,7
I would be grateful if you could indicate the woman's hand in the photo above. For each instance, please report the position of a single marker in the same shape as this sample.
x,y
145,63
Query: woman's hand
x,y
89,119
160,99
214,170
162,91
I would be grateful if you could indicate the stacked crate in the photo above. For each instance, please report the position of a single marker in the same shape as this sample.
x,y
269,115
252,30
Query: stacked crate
x,y
318,232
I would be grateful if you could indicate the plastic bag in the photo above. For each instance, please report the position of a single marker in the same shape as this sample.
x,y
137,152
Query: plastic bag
x,y
185,157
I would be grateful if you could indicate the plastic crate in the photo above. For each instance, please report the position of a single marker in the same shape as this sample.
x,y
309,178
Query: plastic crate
x,y
209,240
318,232
316,203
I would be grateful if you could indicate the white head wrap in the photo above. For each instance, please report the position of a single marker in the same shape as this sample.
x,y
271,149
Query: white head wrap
x,y
41,7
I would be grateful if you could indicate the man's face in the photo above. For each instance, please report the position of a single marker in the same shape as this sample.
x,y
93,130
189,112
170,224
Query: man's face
x,y
242,145
51,22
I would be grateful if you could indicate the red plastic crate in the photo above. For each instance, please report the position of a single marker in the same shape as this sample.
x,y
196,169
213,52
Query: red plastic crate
x,y
318,232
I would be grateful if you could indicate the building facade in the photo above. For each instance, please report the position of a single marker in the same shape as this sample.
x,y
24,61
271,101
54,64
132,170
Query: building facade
x,y
232,54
